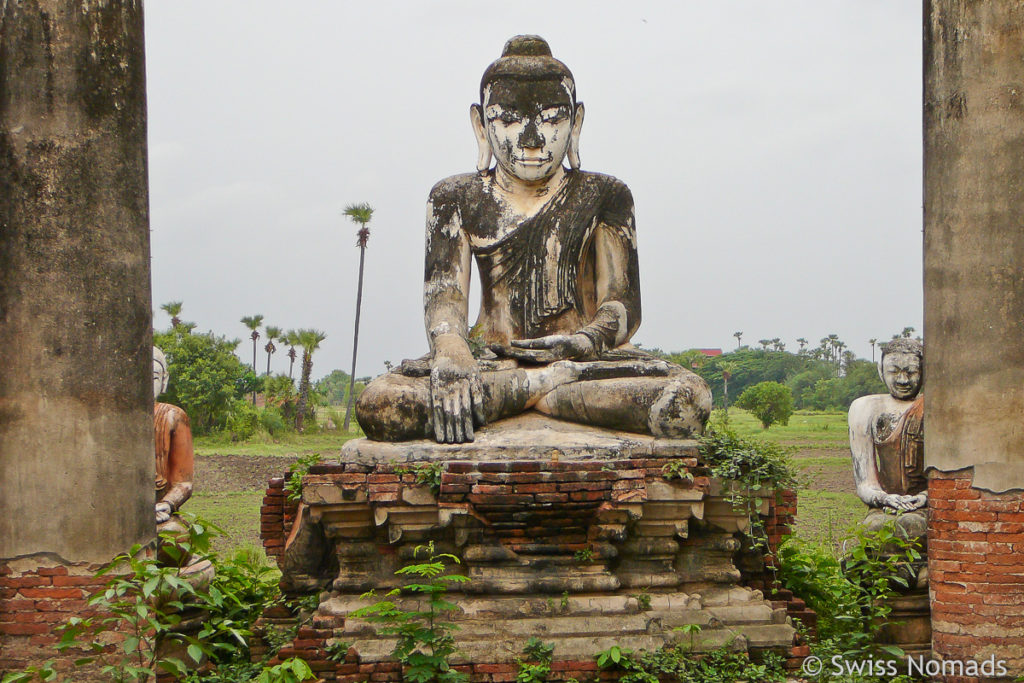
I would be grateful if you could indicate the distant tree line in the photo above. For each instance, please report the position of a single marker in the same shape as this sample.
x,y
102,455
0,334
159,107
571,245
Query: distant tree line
x,y
826,377
218,390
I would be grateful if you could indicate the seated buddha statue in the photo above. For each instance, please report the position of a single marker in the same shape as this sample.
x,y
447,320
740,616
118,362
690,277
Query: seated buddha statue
x,y
887,445
174,455
555,253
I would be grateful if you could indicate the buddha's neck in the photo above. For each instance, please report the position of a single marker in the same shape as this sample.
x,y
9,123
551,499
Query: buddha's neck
x,y
524,196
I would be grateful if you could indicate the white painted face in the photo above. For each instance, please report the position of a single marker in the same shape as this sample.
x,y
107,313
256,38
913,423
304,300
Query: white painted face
x,y
528,125
160,375
901,373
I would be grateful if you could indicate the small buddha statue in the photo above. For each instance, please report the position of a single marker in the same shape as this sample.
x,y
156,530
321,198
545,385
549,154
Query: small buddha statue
x,y
174,455
887,445
555,252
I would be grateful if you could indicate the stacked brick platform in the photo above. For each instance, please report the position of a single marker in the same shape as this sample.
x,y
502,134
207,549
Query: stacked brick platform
x,y
34,601
531,506
976,571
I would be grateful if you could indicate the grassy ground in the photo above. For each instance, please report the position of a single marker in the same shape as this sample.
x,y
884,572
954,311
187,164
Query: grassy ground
x,y
291,445
828,506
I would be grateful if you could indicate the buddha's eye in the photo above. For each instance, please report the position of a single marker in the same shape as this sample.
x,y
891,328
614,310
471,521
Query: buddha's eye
x,y
554,118
509,117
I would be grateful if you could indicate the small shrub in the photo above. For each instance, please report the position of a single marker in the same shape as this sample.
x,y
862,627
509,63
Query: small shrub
x,y
294,484
425,642
770,402
536,666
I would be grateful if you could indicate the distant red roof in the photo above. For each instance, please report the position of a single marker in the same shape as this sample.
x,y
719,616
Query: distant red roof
x,y
711,352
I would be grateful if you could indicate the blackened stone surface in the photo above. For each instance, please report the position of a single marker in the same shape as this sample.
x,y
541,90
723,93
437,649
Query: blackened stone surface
x,y
76,420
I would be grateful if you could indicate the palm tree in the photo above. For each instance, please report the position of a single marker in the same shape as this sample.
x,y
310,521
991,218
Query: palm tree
x,y
291,339
253,322
360,214
764,343
173,308
309,340
739,339
727,369
907,332
803,343
272,334
872,342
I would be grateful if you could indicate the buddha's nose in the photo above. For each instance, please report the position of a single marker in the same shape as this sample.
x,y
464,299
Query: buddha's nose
x,y
531,138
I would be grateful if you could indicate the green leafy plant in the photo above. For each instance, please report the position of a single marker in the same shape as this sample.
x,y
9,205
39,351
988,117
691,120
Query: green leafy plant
x,y
676,469
753,468
425,641
680,664
143,601
690,629
643,600
584,555
850,595
564,602
292,670
294,483
338,650
427,474
536,665
613,656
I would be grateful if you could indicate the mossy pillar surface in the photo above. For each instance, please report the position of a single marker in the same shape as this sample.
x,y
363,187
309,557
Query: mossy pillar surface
x,y
76,404
974,330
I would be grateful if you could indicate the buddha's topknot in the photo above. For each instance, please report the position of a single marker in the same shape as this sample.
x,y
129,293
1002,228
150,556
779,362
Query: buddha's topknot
x,y
527,58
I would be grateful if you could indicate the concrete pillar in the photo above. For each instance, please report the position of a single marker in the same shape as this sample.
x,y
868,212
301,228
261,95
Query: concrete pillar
x,y
974,326
76,404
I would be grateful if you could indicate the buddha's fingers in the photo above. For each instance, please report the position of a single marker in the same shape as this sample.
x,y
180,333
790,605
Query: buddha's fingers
x,y
476,396
437,403
449,417
466,413
457,416
539,343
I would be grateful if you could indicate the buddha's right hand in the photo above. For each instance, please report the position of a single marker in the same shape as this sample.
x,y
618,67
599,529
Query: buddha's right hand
x,y
456,392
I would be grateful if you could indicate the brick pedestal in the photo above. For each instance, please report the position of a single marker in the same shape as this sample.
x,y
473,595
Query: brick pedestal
x,y
976,571
560,529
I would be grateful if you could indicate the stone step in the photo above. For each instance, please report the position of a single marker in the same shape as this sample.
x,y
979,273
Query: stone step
x,y
577,648
622,602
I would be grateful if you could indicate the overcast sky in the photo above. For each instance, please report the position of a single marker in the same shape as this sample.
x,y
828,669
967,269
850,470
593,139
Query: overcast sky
x,y
773,150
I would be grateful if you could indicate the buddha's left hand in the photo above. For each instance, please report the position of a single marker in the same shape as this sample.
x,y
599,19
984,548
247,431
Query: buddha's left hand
x,y
553,348
163,512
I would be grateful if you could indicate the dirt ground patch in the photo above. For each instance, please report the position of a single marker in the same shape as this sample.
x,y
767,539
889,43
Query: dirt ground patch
x,y
232,473
826,469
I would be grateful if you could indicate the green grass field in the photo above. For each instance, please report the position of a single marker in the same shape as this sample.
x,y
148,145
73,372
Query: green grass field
x,y
285,445
828,506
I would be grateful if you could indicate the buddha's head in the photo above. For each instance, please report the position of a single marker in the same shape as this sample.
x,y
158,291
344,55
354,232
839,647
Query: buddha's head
x,y
901,367
528,117
160,374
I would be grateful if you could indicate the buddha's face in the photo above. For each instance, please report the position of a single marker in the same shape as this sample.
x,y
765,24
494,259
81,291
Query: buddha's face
x,y
528,125
159,378
901,373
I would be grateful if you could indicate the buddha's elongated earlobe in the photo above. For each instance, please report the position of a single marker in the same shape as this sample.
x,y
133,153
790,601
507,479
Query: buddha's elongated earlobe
x,y
483,155
574,138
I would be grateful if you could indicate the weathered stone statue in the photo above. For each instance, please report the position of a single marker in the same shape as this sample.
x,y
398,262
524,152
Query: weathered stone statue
x,y
887,445
533,507
887,434
174,455
555,249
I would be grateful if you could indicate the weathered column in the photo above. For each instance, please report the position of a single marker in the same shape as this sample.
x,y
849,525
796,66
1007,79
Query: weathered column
x,y
974,326
76,420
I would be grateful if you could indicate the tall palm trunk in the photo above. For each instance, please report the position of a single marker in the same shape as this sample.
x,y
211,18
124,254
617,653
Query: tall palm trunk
x,y
355,341
307,370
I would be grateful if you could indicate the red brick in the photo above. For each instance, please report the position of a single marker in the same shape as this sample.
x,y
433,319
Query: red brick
x,y
24,629
52,571
53,593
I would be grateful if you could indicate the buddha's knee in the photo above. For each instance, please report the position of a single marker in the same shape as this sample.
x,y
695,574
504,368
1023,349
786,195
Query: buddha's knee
x,y
394,407
682,409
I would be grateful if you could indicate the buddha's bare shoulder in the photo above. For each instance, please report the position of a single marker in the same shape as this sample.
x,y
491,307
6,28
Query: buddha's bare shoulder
x,y
457,187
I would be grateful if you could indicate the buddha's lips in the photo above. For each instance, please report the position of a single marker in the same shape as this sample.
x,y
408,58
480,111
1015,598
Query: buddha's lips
x,y
534,160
